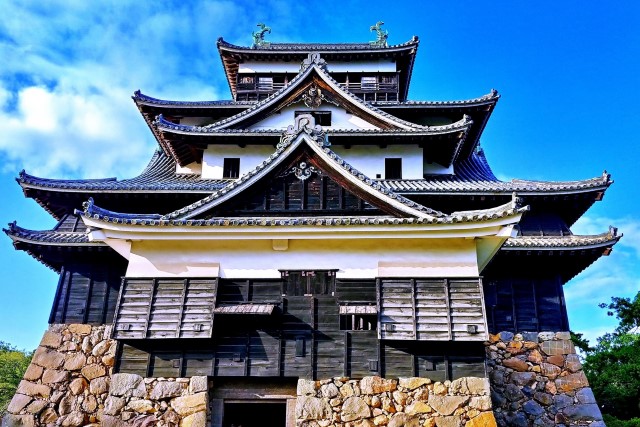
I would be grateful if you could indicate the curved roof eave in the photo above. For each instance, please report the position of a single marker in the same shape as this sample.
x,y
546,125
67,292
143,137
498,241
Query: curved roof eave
x,y
488,99
559,243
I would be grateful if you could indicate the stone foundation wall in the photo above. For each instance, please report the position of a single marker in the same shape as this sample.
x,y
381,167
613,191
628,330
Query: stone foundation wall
x,y
537,379
409,402
67,382
161,402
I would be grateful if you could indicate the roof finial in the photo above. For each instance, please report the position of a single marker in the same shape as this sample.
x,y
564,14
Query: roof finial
x,y
381,35
258,37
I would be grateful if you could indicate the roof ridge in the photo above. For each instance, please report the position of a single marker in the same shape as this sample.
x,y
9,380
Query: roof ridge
x,y
362,45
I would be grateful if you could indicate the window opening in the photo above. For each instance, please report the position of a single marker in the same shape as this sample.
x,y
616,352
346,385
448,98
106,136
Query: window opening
x,y
231,168
322,118
265,83
309,282
393,168
368,83
358,322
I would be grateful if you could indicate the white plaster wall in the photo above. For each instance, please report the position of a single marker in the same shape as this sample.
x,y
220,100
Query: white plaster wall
x,y
250,157
369,159
340,118
192,168
333,67
365,258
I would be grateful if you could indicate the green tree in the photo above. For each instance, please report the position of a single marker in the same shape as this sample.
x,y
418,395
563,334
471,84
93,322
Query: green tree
x,y
13,364
613,365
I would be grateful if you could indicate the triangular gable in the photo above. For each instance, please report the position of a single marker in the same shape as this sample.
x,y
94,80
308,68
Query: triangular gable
x,y
313,75
304,132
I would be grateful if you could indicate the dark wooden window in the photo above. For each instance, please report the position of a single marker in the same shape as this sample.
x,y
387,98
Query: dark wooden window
x,y
231,168
322,118
358,322
265,83
393,168
309,282
368,82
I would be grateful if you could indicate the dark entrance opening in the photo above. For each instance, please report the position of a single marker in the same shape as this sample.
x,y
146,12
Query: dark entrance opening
x,y
255,414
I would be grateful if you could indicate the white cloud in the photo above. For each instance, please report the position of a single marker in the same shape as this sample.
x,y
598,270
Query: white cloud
x,y
614,275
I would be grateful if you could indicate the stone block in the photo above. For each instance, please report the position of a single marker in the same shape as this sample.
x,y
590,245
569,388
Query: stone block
x,y
52,376
94,370
482,403
561,401
585,395
99,386
563,335
544,398
113,405
546,336
535,356
36,406
530,336
90,404
48,416
549,370
34,390
572,382
470,385
79,329
556,360
306,388
516,364
403,420
199,419
18,403
533,408
198,384
141,406
376,385
485,419
446,405
11,420
312,408
573,363
74,419
355,408
413,383
417,408
522,378
33,373
557,348
101,348
583,412
513,393
47,358
74,361
452,421
121,384
51,339
78,385
166,390
188,405
506,336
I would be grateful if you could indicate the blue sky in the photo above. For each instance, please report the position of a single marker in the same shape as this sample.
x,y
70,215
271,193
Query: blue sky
x,y
568,73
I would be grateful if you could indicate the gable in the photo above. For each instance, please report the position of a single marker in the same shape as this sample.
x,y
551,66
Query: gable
x,y
301,185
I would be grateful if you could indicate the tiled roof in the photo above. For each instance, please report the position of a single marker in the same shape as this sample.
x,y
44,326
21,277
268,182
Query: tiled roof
x,y
49,237
159,176
473,175
490,97
419,214
316,47
165,125
564,242
141,98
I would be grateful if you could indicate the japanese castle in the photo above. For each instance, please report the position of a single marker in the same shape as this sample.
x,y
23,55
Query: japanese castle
x,y
318,250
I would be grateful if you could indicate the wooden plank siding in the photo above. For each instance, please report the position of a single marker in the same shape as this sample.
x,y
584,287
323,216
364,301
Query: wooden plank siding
x,y
526,305
432,310
306,336
165,308
86,293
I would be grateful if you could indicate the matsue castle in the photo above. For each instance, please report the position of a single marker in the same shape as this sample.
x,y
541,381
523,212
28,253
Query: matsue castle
x,y
316,251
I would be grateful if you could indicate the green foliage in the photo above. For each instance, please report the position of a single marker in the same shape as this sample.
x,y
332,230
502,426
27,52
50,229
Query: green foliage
x,y
13,364
612,421
613,365
580,342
